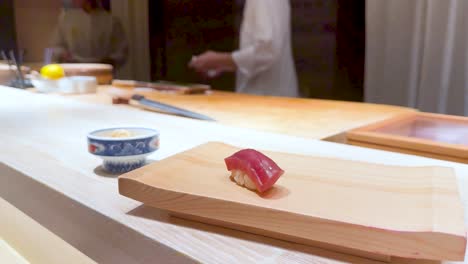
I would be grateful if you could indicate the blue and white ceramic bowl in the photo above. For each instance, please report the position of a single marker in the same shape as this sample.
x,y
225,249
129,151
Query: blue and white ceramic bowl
x,y
123,154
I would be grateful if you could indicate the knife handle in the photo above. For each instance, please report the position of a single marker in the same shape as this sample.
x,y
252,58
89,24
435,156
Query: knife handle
x,y
120,100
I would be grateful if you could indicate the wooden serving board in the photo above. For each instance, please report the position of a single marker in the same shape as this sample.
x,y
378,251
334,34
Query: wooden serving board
x,y
424,134
102,72
372,210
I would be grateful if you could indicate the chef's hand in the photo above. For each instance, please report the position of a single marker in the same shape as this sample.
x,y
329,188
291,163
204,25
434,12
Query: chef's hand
x,y
212,63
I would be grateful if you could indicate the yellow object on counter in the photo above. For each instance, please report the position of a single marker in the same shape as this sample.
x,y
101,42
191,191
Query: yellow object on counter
x,y
52,71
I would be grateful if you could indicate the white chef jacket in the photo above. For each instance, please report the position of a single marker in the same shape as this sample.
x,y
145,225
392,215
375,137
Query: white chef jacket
x,y
264,60
91,37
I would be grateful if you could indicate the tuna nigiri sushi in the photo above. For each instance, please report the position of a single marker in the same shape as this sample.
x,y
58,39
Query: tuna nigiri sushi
x,y
253,170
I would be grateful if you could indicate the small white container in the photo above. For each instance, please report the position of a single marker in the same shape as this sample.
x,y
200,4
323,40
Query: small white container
x,y
45,85
78,84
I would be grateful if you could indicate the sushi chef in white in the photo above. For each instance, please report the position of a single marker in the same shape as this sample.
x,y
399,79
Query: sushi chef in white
x,y
88,33
264,62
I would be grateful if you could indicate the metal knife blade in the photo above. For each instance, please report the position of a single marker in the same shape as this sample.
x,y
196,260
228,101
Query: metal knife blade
x,y
169,108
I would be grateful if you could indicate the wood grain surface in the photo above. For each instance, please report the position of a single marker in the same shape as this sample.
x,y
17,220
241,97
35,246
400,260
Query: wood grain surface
x,y
401,149
307,118
362,206
44,143
33,242
102,72
425,134
9,255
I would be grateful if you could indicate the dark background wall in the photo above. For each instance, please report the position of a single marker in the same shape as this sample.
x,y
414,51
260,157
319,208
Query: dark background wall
x,y
7,25
350,50
314,44
329,47
180,29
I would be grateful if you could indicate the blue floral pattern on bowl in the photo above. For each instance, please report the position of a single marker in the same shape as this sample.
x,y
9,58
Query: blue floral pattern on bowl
x,y
123,148
117,167
121,155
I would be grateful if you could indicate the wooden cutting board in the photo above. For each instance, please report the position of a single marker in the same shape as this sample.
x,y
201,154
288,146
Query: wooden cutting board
x,y
371,210
102,72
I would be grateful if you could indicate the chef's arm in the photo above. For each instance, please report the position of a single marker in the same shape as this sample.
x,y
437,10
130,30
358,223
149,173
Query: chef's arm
x,y
254,59
268,32
225,61
213,61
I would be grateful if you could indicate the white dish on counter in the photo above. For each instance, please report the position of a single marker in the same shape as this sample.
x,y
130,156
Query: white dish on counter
x,y
45,85
78,84
73,84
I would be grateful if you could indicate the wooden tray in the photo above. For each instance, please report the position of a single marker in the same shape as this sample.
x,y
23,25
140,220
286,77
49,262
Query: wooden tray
x,y
163,86
371,210
424,134
102,72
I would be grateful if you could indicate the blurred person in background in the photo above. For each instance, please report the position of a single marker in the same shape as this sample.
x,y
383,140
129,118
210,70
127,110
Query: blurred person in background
x,y
87,33
264,61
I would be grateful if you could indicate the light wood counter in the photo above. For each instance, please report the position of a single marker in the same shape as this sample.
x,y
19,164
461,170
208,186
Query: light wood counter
x,y
25,241
307,118
46,172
